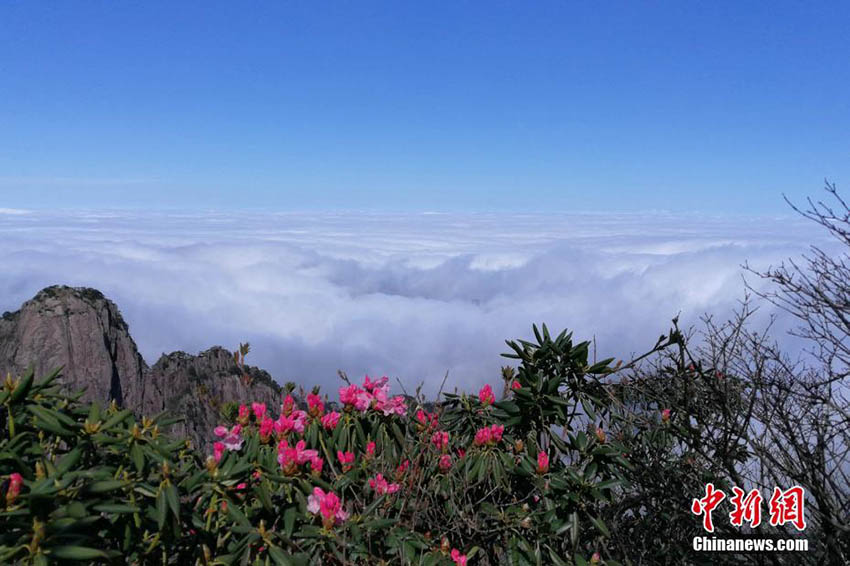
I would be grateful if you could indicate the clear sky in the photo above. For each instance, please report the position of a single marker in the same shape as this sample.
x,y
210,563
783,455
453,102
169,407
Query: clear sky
x,y
589,106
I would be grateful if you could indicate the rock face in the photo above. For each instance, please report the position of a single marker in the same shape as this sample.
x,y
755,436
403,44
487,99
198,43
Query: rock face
x,y
82,331
196,387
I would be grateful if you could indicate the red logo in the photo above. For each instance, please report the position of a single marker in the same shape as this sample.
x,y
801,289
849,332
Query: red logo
x,y
785,507
707,504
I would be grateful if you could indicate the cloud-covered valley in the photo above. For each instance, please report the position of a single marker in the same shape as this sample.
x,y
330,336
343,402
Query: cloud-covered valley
x,y
407,295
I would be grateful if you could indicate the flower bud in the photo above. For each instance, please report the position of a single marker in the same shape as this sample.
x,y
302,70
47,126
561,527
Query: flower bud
x,y
600,435
542,462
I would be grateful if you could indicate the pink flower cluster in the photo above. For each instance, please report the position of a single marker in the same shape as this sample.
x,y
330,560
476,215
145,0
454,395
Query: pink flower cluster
x,y
16,480
315,406
346,459
259,411
485,395
374,395
290,457
328,505
440,440
542,462
458,558
489,435
445,462
381,487
291,419
402,469
330,420
230,440
426,419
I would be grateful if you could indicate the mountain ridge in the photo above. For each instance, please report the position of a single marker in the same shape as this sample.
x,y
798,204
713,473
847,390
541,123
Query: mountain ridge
x,y
83,331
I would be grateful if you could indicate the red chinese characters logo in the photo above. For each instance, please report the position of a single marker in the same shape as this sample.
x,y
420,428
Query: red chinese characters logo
x,y
785,507
706,505
788,507
746,508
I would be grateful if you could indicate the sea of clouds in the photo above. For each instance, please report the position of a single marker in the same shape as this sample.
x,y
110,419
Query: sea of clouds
x,y
411,296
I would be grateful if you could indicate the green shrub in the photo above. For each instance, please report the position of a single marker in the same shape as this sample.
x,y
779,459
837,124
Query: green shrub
x,y
423,487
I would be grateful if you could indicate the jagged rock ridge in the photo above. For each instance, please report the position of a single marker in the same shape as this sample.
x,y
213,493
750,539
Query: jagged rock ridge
x,y
83,331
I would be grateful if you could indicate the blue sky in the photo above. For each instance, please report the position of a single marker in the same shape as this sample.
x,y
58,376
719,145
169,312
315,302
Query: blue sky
x,y
464,106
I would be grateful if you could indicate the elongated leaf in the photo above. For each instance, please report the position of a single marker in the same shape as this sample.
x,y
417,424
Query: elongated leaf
x,y
76,553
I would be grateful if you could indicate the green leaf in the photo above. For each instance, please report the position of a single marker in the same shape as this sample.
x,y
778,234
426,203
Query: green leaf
x,y
279,557
23,387
289,520
161,507
77,553
105,486
138,457
173,499
116,418
600,524
115,508
68,461
236,514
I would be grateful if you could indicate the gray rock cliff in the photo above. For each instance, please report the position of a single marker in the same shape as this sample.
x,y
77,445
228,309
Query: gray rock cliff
x,y
83,331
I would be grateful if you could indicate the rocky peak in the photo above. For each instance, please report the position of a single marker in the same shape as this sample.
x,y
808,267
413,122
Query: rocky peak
x,y
84,332
81,330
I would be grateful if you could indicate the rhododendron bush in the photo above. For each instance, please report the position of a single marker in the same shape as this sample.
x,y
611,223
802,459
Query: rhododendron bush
x,y
360,475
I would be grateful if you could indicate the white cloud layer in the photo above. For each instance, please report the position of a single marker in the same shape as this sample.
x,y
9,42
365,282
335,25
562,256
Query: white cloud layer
x,y
407,295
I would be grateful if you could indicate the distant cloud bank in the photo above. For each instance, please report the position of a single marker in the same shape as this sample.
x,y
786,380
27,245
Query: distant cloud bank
x,y
409,295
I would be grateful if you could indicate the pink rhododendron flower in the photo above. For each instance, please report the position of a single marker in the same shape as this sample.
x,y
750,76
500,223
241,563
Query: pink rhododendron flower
x,y
363,400
232,439
458,558
542,462
496,432
445,462
482,436
402,469
427,420
485,395
381,487
345,458
348,395
241,486
259,411
328,505
266,429
330,420
316,464
370,449
218,451
665,415
290,457
516,385
461,452
394,405
295,421
315,406
440,440
370,386
244,415
16,480
288,405
489,435
596,558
